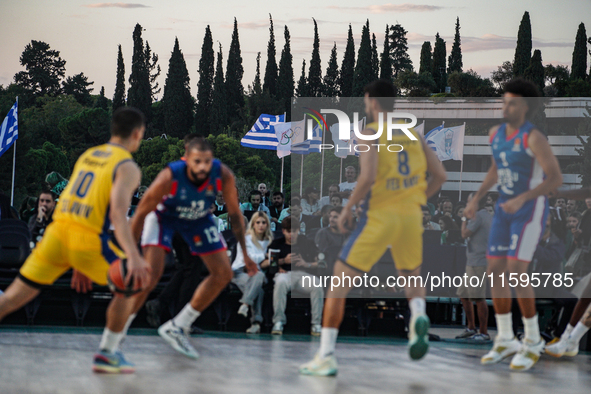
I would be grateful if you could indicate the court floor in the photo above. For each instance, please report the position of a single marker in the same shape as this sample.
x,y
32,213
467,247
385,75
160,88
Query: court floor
x,y
57,360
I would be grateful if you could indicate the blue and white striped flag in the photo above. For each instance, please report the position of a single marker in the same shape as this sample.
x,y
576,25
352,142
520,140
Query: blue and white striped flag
x,y
9,129
262,134
309,146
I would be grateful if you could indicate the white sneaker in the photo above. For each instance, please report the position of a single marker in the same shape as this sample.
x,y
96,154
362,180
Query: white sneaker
x,y
277,328
243,310
254,329
178,338
316,330
326,366
500,351
528,355
564,347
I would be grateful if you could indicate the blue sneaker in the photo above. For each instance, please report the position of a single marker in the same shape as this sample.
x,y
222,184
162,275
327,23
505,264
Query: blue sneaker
x,y
107,362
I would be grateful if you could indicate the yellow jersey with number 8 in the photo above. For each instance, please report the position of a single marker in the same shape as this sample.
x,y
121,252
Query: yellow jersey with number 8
x,y
401,176
85,201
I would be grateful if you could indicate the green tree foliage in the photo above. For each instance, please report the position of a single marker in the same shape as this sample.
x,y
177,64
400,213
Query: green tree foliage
x,y
44,71
411,84
426,64
234,72
558,79
154,154
455,57
153,71
438,71
302,88
270,82
83,130
205,85
375,62
535,71
470,84
101,101
285,79
315,70
578,88
524,47
503,75
119,96
363,68
348,67
78,87
39,162
579,65
399,49
177,101
218,116
331,87
385,62
140,90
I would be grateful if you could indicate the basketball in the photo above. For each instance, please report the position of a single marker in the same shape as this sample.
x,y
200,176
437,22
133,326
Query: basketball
x,y
116,279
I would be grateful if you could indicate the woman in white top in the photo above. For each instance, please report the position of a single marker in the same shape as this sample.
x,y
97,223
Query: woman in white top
x,y
258,237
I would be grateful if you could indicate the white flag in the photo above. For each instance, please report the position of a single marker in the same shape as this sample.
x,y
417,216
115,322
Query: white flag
x,y
447,142
420,129
288,134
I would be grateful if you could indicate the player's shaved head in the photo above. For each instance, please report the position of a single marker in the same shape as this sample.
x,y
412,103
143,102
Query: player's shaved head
x,y
194,141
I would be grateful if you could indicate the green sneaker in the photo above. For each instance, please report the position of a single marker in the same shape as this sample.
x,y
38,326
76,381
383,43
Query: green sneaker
x,y
419,337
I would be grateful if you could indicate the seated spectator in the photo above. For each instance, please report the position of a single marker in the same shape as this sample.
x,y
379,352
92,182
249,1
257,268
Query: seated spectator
x,y
6,210
571,206
330,236
446,224
310,202
254,203
220,204
459,213
277,206
332,190
336,201
265,194
28,208
293,266
427,223
446,210
346,188
325,216
42,216
258,237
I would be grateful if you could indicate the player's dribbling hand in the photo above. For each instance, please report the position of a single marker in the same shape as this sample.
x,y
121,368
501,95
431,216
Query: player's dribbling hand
x,y
511,206
139,270
345,221
251,267
80,282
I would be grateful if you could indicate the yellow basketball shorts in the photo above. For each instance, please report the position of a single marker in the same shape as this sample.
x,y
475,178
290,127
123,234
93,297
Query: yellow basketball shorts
x,y
399,227
66,246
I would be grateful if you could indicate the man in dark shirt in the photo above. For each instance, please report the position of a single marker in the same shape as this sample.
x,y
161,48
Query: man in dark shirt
x,y
42,216
330,237
297,256
277,206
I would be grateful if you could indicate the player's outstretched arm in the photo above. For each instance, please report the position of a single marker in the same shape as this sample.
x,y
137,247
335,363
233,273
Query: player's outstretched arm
x,y
437,174
235,214
159,188
127,179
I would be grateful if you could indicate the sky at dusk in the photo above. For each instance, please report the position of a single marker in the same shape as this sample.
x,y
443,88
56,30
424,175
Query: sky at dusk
x,y
87,33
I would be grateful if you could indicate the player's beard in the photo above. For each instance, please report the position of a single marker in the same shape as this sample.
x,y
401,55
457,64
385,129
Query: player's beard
x,y
199,177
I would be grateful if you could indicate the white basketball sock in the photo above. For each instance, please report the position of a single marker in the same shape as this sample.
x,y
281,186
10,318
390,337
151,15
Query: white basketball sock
x,y
110,340
186,317
504,326
578,332
532,329
417,307
567,331
328,341
128,323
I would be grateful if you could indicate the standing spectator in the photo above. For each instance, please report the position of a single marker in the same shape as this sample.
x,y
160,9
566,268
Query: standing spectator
x,y
258,237
560,203
42,216
254,203
447,208
265,194
277,207
220,204
330,236
571,206
459,213
573,236
427,223
476,231
351,181
310,202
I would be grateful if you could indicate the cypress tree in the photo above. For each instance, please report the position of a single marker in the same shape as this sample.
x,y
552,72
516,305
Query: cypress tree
x,y
101,101
140,92
385,63
285,79
205,85
439,74
218,115
234,73
455,57
153,70
399,50
331,87
348,67
535,71
363,68
579,65
270,83
375,62
315,71
119,96
426,64
302,88
256,85
177,101
524,46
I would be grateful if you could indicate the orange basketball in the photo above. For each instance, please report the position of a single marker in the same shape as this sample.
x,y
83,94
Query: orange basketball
x,y
116,279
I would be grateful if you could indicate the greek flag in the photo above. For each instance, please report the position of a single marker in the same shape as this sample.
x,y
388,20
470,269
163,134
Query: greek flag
x,y
9,129
262,134
309,146
447,142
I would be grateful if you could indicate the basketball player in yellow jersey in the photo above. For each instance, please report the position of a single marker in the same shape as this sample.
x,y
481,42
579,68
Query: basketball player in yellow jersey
x,y
394,186
98,194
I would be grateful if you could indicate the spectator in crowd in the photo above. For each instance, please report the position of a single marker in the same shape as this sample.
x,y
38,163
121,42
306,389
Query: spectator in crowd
x,y
459,213
476,231
56,182
332,190
490,209
330,236
439,208
573,235
42,216
140,191
254,203
446,223
427,223
336,201
447,208
325,219
491,198
6,210
571,206
27,208
295,211
310,202
558,212
257,239
294,265
560,203
265,194
351,181
277,207
220,204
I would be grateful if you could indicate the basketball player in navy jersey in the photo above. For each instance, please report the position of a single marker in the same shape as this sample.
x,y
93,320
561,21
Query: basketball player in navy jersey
x,y
526,170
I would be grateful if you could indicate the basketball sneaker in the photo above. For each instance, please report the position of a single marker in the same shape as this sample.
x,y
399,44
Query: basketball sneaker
x,y
178,338
418,337
500,351
564,347
107,362
326,366
527,356
277,328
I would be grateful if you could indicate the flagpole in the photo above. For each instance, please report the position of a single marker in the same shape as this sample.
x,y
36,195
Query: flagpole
x,y
13,161
322,166
341,172
462,166
282,159
301,175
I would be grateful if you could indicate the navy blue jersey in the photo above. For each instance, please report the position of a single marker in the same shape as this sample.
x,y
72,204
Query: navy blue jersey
x,y
517,169
187,201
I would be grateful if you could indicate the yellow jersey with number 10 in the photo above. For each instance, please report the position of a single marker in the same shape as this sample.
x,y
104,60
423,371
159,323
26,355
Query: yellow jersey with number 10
x,y
85,201
401,176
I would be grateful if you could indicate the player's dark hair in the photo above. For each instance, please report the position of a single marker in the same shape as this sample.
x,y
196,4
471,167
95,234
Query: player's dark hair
x,y
125,120
195,141
383,91
527,90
